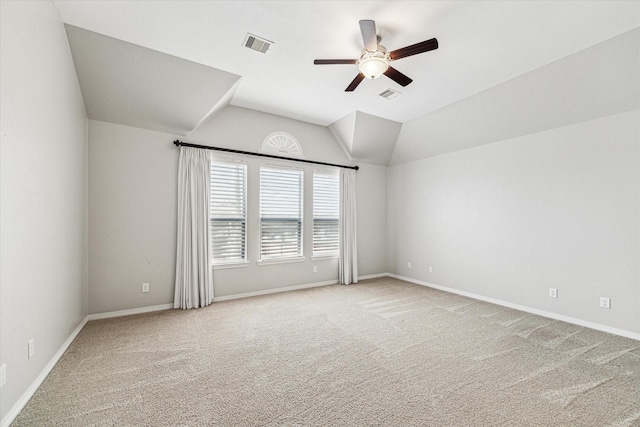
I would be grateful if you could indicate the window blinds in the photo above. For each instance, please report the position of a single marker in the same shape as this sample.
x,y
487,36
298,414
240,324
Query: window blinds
x,y
281,210
228,212
326,214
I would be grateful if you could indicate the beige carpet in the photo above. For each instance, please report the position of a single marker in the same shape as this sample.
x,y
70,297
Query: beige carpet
x,y
383,352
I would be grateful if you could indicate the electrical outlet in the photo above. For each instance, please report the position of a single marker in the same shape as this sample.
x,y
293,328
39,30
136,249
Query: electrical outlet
x,y
30,348
553,292
3,375
605,302
145,287
315,268
430,269
409,265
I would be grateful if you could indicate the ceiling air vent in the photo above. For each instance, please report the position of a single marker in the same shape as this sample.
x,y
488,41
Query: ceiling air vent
x,y
257,43
390,94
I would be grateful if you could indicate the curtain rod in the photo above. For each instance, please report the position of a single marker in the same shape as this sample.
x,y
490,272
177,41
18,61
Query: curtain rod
x,y
179,143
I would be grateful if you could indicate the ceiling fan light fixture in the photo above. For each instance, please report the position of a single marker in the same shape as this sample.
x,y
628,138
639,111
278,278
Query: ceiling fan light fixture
x,y
374,59
373,64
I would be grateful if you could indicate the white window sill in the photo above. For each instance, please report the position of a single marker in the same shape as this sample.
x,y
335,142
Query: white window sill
x,y
231,265
280,261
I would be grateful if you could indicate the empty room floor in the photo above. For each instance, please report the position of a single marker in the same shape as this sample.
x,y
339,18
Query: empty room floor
x,y
381,352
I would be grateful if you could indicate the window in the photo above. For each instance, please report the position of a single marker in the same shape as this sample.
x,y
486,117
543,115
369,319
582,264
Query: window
x,y
281,210
326,214
228,212
281,143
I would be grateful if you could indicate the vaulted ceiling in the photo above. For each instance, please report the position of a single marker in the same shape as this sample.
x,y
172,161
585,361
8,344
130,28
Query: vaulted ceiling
x,y
171,65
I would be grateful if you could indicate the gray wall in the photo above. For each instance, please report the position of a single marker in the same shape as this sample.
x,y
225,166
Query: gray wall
x,y
43,207
132,217
508,220
371,210
132,224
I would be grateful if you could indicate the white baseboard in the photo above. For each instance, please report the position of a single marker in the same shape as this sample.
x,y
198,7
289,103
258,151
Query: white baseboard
x,y
373,276
31,390
274,291
293,288
579,322
140,310
129,312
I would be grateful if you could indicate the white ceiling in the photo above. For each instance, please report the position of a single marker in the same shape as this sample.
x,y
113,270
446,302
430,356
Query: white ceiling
x,y
482,44
599,81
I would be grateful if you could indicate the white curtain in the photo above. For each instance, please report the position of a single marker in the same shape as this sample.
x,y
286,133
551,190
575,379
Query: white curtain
x,y
194,285
348,265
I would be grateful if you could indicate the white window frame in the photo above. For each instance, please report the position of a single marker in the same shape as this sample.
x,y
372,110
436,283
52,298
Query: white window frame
x,y
324,210
234,262
266,200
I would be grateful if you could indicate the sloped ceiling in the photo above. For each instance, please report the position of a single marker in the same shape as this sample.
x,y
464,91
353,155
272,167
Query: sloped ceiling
x,y
599,81
366,137
131,85
169,65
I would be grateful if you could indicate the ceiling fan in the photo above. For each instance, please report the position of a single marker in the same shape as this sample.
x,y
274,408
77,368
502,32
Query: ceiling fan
x,y
374,59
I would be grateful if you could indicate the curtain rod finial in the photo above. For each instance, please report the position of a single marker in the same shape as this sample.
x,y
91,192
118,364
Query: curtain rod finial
x,y
177,142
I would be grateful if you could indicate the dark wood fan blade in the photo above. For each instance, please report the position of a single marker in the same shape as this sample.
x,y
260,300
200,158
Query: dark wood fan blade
x,y
397,76
369,36
354,84
414,49
334,61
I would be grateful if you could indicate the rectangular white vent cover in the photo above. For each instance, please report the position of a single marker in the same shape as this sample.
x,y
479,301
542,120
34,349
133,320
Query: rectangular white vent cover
x,y
390,94
257,43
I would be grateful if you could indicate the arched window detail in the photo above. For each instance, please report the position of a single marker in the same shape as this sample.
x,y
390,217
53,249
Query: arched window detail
x,y
281,143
